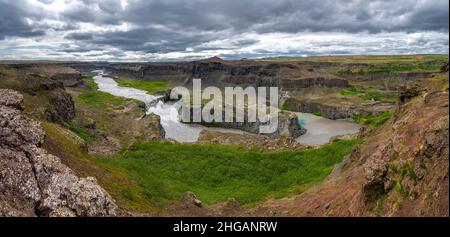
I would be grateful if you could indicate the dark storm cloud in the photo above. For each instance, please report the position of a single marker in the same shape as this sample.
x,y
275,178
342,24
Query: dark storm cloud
x,y
189,23
150,40
292,15
175,25
13,21
97,12
80,36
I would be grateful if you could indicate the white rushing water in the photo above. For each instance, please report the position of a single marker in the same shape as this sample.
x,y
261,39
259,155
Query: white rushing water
x,y
168,112
321,129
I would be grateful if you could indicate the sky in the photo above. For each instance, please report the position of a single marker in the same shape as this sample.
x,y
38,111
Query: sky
x,y
173,30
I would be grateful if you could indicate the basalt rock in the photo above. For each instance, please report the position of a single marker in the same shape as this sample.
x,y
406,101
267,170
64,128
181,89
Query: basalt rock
x,y
191,200
313,82
287,124
338,111
35,183
219,72
63,107
11,98
445,68
411,91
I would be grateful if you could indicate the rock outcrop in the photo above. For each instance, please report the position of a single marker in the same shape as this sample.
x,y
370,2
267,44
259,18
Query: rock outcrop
x,y
63,107
287,124
445,68
313,82
35,183
217,72
338,111
401,169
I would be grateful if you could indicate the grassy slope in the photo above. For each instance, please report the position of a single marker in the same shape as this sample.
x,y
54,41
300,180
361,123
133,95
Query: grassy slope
x,y
164,171
113,115
375,59
370,94
377,63
99,99
372,120
146,177
60,142
151,87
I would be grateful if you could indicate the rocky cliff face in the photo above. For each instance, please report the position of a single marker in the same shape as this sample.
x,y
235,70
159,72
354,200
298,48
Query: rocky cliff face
x,y
56,71
45,96
35,183
400,170
338,111
288,125
218,72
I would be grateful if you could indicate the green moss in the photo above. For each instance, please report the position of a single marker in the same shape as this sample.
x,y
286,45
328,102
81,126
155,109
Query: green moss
x,y
151,87
372,120
82,133
164,171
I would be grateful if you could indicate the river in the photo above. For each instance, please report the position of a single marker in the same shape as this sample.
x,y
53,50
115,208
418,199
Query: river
x,y
167,111
320,129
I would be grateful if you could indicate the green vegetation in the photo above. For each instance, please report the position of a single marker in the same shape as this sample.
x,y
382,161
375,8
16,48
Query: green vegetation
x,y
317,113
372,120
99,99
151,87
114,179
285,105
389,68
81,132
379,96
88,80
374,59
380,205
352,91
164,171
366,94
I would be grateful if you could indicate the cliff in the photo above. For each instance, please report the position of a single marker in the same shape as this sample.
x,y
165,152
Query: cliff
x,y
35,183
45,97
218,72
400,170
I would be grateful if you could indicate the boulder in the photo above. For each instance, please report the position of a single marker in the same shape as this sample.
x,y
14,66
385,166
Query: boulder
x,y
190,199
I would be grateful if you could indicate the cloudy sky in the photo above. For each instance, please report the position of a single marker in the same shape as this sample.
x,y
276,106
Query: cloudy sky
x,y
147,30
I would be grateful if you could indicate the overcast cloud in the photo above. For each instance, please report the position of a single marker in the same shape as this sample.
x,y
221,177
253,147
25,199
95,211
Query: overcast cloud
x,y
146,30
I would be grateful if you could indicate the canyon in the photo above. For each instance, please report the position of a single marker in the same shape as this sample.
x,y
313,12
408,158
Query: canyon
x,y
61,121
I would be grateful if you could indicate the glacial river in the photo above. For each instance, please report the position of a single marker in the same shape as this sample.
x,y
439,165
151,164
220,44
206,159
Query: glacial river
x,y
168,112
320,129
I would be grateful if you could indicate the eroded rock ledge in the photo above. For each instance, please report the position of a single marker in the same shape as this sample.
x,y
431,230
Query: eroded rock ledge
x,y
35,183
